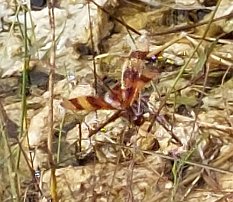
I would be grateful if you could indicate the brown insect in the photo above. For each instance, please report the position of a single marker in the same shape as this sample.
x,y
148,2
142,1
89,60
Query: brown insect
x,y
122,96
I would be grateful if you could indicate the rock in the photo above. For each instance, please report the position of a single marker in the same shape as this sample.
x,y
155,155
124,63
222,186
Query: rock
x,y
72,28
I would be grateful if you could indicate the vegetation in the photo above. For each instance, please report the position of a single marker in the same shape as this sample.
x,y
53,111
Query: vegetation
x,y
116,101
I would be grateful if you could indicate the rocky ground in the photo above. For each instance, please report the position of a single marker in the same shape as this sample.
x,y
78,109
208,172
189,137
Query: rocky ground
x,y
192,97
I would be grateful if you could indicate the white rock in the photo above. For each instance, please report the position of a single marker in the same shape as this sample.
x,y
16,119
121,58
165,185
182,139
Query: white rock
x,y
72,27
39,128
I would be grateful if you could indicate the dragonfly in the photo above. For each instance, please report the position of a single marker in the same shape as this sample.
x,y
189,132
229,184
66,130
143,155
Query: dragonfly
x,y
124,96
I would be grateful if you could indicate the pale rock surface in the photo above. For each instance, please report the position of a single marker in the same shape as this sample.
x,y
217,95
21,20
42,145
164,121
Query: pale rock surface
x,y
72,28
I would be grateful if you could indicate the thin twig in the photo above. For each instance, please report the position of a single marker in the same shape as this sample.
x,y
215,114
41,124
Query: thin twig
x,y
92,46
121,141
53,184
23,119
111,119
187,27
59,139
116,19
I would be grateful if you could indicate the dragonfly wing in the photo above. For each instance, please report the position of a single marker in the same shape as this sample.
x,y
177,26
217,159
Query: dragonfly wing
x,y
89,103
